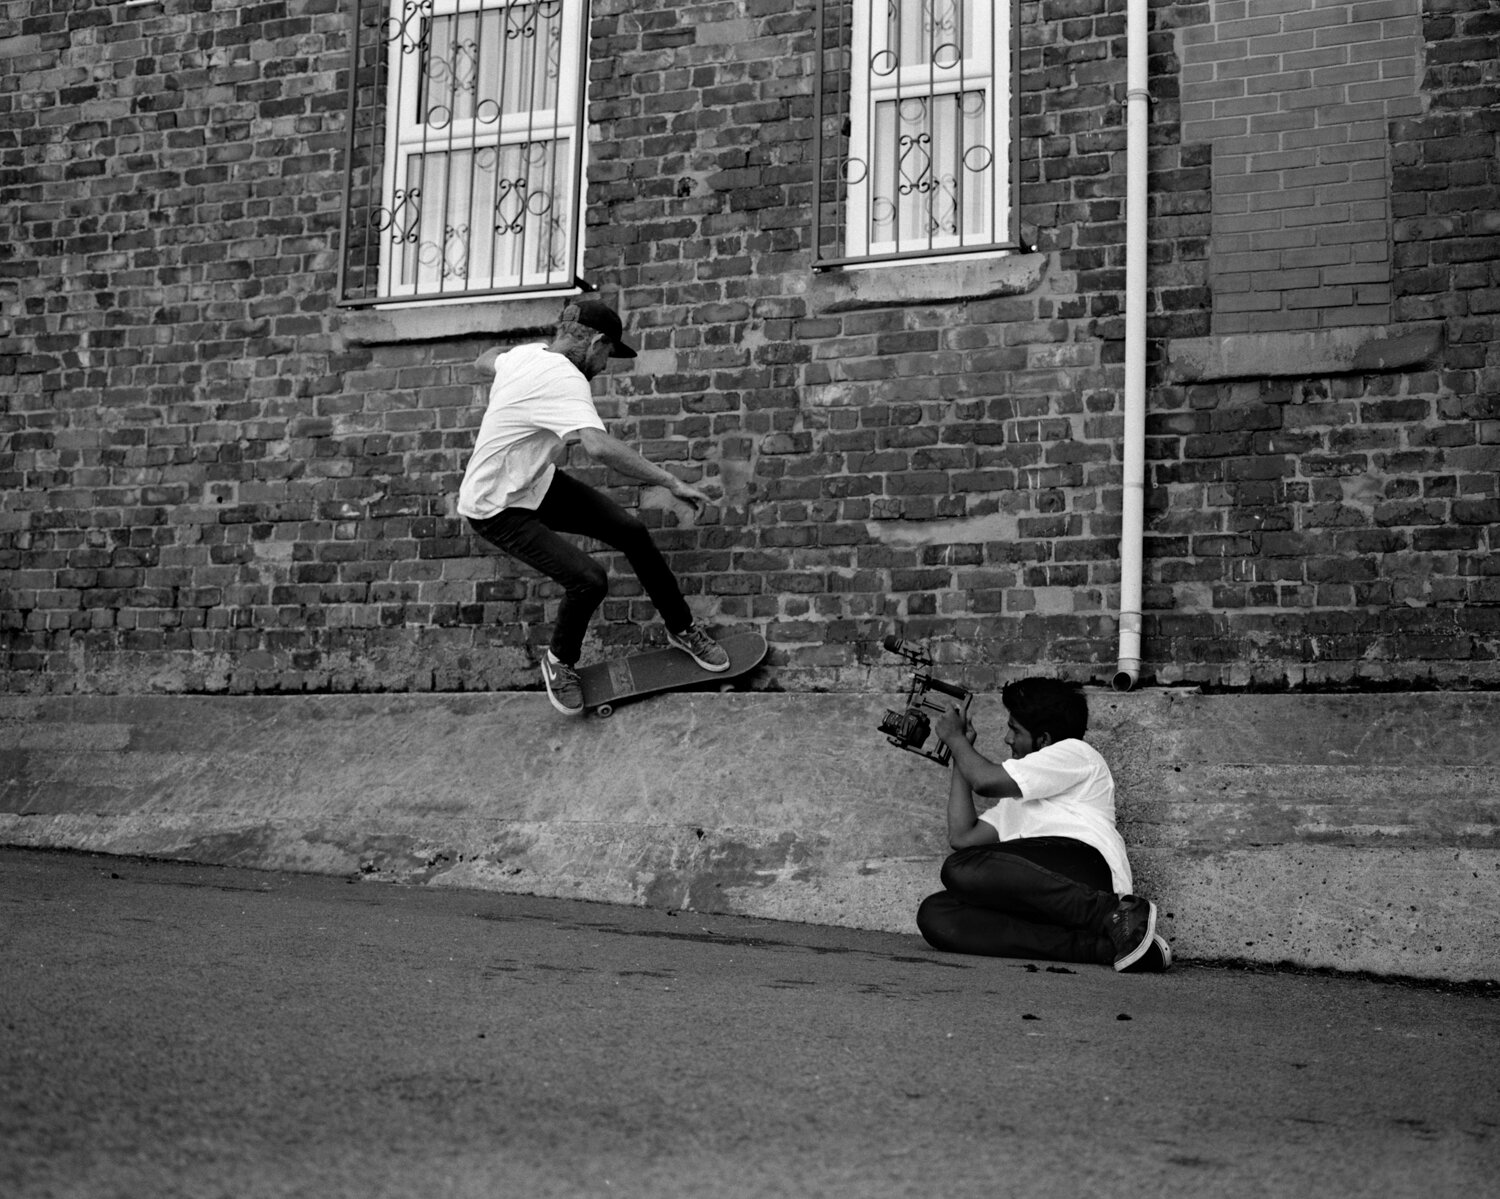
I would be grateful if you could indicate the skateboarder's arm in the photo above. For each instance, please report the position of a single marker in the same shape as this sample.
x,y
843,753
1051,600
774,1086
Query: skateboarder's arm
x,y
612,452
485,363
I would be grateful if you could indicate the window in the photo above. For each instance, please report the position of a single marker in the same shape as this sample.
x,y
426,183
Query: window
x,y
465,148
916,125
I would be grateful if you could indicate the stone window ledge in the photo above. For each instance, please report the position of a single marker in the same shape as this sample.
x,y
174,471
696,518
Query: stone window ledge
x,y
832,291
513,318
1351,351
900,284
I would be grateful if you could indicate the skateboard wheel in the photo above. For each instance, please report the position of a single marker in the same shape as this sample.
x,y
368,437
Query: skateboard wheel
x,y
605,710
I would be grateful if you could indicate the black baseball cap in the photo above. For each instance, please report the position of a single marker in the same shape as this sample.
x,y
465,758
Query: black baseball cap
x,y
599,316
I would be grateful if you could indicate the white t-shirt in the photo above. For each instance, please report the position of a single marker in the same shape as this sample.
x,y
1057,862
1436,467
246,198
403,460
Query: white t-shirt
x,y
537,400
1066,791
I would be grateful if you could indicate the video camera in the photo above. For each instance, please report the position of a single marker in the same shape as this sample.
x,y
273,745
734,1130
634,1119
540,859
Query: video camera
x,y
911,729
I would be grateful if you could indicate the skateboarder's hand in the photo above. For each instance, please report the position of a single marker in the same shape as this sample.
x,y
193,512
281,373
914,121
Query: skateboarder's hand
x,y
686,491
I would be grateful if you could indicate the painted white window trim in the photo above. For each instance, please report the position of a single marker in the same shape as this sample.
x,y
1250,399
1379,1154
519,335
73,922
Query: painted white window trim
x,y
984,66
406,138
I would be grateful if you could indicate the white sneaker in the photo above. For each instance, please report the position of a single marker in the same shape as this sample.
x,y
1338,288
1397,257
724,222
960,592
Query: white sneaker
x,y
1156,960
1130,928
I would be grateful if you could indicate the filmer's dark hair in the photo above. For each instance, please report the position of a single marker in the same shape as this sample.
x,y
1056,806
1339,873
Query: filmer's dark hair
x,y
1048,706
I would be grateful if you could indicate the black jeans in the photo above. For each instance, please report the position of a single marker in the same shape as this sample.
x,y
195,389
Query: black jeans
x,y
1044,898
534,538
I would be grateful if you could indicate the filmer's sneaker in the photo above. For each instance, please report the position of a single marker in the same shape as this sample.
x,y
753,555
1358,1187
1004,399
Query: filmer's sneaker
x,y
701,648
1130,927
563,687
1156,960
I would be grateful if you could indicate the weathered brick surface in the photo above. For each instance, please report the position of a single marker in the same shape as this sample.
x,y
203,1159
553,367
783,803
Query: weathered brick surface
x,y
205,485
1295,101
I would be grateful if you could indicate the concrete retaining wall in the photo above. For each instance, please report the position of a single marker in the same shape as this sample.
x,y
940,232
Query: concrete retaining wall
x,y
1353,832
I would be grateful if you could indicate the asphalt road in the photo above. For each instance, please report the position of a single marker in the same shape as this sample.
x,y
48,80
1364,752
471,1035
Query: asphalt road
x,y
174,1030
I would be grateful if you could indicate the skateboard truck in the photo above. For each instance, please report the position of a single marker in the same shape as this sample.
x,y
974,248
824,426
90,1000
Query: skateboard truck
x,y
911,728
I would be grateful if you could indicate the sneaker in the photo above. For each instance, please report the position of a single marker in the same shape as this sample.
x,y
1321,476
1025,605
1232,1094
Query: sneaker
x,y
1131,927
701,648
1156,960
563,687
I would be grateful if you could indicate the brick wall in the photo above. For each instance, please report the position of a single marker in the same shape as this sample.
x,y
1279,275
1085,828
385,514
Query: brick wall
x,y
210,484
1296,98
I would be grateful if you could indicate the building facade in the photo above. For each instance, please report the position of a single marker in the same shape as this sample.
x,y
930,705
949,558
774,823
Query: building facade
x,y
238,391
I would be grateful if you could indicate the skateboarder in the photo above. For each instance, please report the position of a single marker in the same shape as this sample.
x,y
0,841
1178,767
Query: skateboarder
x,y
516,498
1042,873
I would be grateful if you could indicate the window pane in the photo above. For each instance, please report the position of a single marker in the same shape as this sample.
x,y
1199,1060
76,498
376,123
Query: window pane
x,y
526,186
483,217
923,33
487,64
933,169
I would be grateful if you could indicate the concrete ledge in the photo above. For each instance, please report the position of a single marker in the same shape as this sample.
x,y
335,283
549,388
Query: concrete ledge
x,y
934,282
1351,832
513,318
1357,350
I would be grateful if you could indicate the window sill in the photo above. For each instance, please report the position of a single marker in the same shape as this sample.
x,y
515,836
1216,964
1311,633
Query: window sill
x,y
511,319
1351,351
930,283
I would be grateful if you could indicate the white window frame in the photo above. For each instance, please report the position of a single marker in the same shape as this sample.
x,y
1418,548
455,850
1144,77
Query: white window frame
x,y
434,273
983,68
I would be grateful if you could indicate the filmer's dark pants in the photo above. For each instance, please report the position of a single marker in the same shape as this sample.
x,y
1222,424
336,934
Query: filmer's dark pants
x,y
1044,898
533,537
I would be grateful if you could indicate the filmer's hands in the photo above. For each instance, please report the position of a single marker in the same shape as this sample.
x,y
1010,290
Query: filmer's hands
x,y
952,725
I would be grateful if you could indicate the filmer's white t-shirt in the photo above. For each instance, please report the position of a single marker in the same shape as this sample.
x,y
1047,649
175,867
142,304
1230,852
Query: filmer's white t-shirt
x,y
1066,791
537,401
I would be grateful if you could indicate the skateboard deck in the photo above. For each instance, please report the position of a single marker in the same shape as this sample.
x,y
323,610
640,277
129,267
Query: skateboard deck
x,y
606,684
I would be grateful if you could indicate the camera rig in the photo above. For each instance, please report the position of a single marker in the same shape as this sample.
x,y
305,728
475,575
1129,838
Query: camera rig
x,y
911,729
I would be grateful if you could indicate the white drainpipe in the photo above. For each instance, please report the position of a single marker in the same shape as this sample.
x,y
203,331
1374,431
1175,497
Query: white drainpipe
x,y
1133,452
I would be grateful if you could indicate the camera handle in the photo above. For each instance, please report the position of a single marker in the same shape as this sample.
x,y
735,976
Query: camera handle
x,y
957,692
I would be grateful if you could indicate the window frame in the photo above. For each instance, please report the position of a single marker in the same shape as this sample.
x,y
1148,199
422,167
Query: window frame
x,y
845,237
396,88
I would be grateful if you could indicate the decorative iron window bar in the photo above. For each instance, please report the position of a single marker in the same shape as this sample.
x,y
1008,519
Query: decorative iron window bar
x,y
917,150
464,150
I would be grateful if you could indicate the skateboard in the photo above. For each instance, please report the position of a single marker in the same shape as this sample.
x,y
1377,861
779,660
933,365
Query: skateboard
x,y
606,684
